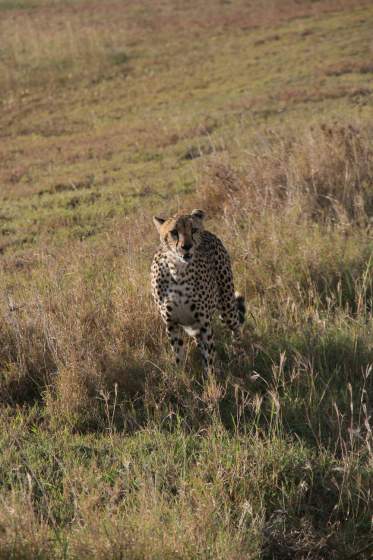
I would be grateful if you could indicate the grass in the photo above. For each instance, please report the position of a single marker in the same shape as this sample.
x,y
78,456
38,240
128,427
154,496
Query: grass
x,y
259,113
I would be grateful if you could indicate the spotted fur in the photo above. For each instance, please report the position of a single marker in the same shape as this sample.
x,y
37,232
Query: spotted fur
x,y
191,279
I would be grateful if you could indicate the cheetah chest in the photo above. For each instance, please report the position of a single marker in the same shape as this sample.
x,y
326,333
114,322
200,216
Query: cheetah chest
x,y
179,304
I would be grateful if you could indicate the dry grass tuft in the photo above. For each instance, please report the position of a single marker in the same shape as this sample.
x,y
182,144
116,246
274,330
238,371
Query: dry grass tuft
x,y
325,173
80,333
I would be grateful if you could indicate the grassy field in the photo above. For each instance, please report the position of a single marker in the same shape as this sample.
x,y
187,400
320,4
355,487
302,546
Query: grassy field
x,y
261,114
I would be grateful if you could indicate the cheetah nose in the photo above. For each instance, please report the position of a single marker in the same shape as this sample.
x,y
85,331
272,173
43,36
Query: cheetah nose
x,y
186,246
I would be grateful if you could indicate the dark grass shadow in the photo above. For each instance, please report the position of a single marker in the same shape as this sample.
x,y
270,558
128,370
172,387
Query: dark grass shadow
x,y
317,380
349,286
301,383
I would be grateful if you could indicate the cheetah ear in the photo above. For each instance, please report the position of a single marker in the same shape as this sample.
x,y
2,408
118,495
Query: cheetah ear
x,y
199,214
158,222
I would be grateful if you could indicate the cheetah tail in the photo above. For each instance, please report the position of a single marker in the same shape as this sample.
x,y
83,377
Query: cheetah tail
x,y
241,307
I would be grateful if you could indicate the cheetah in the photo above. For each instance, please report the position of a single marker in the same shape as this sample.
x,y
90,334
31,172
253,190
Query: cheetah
x,y
191,279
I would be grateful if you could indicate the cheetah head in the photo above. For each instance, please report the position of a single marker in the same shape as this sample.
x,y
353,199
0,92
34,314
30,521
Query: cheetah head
x,y
181,234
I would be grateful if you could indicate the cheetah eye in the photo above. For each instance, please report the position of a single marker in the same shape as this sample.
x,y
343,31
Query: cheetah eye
x,y
174,233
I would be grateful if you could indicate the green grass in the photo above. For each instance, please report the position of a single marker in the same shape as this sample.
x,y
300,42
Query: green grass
x,y
260,113
131,130
167,493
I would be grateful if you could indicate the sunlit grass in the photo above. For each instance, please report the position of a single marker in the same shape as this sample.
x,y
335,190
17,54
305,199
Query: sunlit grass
x,y
261,117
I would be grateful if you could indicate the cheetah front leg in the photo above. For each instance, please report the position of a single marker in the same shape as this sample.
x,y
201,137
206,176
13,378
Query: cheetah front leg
x,y
176,341
205,342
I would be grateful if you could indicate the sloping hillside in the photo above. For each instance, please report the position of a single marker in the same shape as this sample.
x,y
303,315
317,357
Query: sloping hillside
x,y
260,113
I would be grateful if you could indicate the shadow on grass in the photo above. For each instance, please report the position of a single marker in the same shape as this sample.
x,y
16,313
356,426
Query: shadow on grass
x,y
304,384
311,385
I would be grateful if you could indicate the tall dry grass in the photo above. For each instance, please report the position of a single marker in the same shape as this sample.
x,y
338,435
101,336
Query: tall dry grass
x,y
48,42
56,48
297,222
272,459
74,325
322,173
